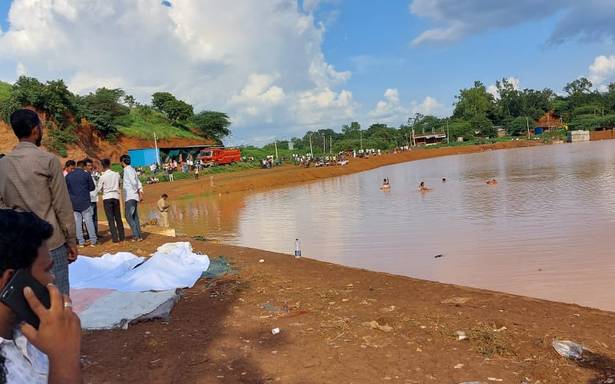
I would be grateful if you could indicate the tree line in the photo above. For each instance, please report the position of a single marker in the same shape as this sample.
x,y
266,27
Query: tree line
x,y
477,115
104,108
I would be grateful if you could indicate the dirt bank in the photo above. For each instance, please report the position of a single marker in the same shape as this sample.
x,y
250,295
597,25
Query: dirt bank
x,y
259,179
344,325
89,144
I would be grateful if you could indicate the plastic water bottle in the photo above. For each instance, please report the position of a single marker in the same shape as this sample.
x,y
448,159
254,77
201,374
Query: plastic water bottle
x,y
297,248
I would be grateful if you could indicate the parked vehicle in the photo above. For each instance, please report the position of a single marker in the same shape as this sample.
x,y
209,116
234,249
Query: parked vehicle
x,y
219,156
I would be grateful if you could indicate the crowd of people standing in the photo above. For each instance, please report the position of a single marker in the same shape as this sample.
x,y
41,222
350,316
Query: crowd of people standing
x,y
85,185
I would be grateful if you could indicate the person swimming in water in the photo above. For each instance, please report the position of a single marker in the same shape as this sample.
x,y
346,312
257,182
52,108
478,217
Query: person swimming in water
x,y
423,187
385,184
444,179
492,182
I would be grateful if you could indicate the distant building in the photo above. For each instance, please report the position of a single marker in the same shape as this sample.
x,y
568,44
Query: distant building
x,y
141,157
429,138
548,122
501,131
578,136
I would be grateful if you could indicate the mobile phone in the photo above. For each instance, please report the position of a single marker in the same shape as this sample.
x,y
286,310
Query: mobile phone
x,y
12,296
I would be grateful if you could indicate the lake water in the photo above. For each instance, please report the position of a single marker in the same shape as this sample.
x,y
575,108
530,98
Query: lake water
x,y
546,230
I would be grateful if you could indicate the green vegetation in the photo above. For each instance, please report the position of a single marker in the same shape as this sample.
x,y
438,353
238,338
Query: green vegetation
x,y
111,112
477,117
5,91
59,138
178,111
143,121
214,125
103,109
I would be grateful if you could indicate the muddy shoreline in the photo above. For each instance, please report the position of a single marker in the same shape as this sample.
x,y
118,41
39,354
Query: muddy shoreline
x,y
340,324
344,325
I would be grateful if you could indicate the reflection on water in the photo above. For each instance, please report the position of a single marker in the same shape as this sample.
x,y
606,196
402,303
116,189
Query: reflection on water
x,y
544,230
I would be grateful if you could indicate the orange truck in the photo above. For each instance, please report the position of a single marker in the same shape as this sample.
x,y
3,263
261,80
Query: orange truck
x,y
219,156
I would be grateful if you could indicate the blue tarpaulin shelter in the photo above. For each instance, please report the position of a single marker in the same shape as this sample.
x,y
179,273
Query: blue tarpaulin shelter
x,y
142,157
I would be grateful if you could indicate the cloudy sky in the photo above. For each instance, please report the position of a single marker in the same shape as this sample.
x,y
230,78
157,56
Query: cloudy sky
x,y
281,67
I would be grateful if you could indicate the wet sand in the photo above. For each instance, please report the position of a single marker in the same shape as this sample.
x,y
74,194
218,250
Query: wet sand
x,y
344,325
261,179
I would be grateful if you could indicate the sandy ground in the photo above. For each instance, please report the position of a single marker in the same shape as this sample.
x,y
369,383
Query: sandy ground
x,y
345,325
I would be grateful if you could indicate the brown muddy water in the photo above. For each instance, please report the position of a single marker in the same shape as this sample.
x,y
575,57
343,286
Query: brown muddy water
x,y
546,230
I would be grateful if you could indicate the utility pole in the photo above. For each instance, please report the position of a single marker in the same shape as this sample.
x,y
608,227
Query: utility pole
x,y
311,151
156,149
324,144
331,144
527,123
448,133
361,133
275,144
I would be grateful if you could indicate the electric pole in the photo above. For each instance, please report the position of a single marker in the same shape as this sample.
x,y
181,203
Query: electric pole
x,y
324,144
275,144
361,133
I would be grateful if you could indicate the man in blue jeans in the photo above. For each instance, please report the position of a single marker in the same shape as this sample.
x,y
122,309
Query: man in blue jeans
x,y
80,184
133,193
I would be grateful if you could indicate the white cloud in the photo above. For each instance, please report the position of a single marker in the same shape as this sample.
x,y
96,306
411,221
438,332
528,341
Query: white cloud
x,y
429,106
215,55
21,70
602,71
390,110
454,20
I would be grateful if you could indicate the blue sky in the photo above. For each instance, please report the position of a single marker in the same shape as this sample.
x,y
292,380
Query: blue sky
x,y
382,32
280,68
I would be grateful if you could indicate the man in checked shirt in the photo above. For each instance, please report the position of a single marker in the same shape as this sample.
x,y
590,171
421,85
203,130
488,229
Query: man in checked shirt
x,y
31,180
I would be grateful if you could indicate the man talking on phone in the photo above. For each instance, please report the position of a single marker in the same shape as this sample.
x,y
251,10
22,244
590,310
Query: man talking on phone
x,y
50,353
31,180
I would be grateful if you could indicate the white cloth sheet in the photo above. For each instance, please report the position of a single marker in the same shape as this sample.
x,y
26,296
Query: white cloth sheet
x,y
174,265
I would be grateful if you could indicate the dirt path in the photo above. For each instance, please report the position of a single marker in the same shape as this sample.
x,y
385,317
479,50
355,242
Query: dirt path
x,y
344,325
260,179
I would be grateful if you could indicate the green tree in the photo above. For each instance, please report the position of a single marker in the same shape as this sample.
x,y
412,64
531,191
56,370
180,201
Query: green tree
x,y
578,87
130,101
510,102
518,126
351,131
426,124
176,110
535,103
483,126
102,108
214,125
460,128
28,91
59,101
474,103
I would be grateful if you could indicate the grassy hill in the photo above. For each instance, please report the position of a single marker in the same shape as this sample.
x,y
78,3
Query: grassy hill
x,y
143,122
5,91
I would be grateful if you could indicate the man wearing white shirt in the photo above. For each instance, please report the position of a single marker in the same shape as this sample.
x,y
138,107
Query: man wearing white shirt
x,y
133,193
109,185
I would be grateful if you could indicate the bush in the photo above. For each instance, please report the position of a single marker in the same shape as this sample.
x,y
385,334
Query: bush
x,y
59,138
